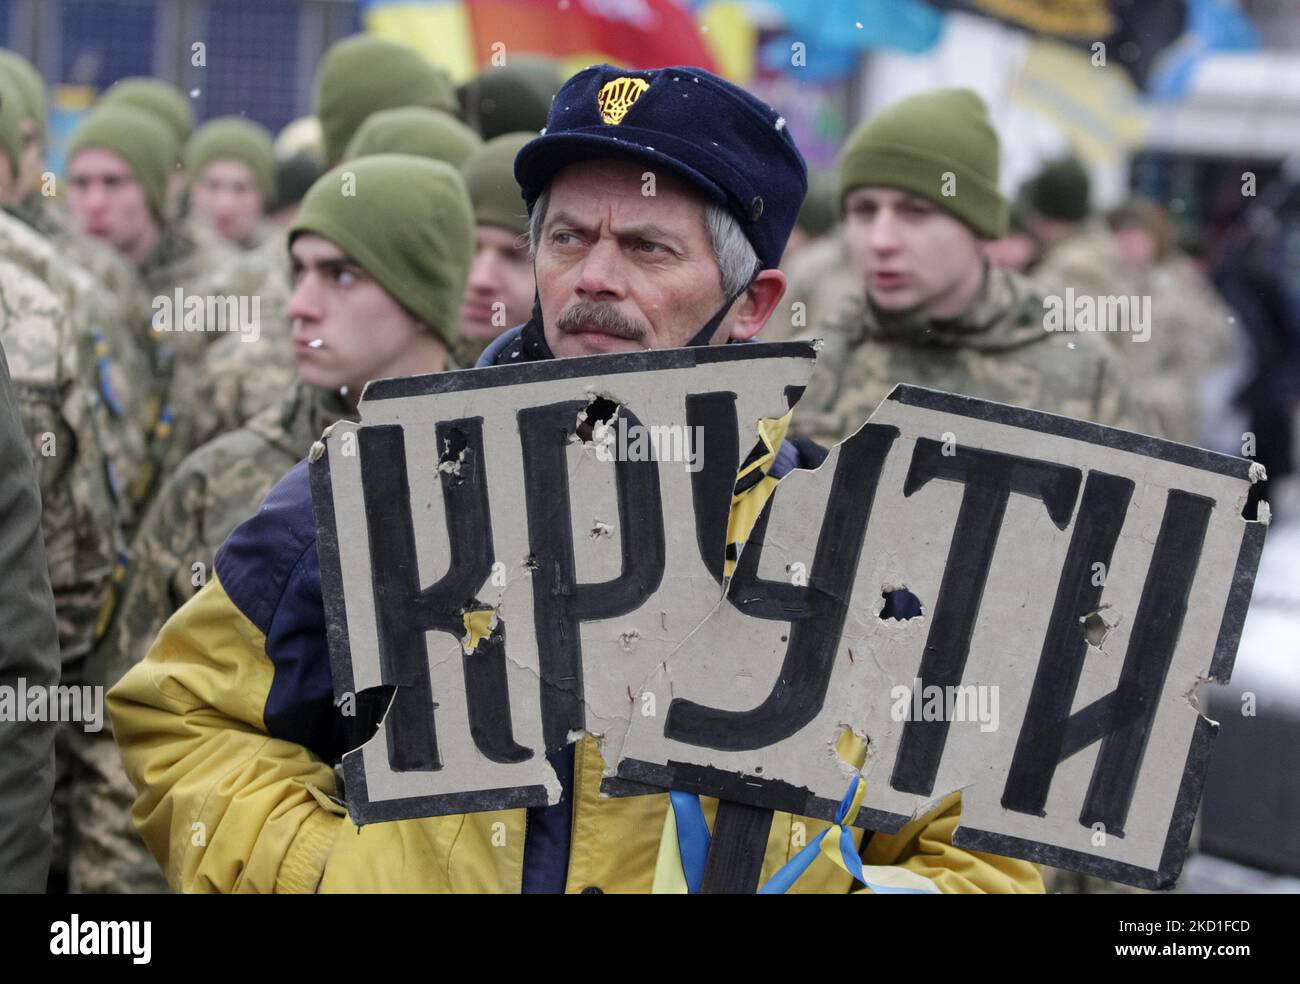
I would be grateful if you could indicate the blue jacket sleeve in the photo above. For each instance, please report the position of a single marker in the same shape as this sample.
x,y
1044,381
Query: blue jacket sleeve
x,y
270,571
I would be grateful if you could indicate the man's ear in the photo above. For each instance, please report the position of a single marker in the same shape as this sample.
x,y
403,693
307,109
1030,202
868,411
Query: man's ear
x,y
756,304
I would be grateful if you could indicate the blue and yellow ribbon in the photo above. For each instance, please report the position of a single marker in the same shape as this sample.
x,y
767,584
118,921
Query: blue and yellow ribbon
x,y
104,370
683,849
684,852
840,848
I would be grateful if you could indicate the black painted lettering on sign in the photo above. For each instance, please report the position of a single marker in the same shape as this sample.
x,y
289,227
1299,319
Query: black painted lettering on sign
x,y
1156,629
990,478
1042,741
405,612
714,416
560,602
816,612
1122,719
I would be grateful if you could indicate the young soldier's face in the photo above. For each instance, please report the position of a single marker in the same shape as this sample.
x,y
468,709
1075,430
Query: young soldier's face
x,y
226,194
499,292
620,270
912,254
347,330
107,202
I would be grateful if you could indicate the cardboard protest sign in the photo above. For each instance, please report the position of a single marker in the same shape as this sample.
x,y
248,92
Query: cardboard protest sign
x,y
469,494
520,582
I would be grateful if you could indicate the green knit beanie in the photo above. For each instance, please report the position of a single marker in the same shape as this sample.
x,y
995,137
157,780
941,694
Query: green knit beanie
x,y
30,84
938,145
161,98
407,223
234,138
490,174
1061,190
13,110
139,138
414,130
512,97
362,74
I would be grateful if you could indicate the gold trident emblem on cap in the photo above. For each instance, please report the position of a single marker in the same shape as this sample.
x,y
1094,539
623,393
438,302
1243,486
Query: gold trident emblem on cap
x,y
619,95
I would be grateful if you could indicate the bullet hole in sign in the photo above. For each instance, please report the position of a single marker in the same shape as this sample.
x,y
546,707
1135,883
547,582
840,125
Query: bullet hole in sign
x,y
455,448
599,410
900,605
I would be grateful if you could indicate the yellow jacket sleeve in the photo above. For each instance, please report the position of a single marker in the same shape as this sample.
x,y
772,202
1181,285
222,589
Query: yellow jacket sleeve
x,y
222,806
924,846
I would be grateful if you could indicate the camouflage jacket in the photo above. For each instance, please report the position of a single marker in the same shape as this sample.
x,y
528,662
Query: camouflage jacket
x,y
78,519
49,217
1087,261
822,278
119,374
200,291
1192,334
241,372
214,490
997,349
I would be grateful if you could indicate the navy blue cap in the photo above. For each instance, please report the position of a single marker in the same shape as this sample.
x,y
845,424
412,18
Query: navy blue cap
x,y
713,135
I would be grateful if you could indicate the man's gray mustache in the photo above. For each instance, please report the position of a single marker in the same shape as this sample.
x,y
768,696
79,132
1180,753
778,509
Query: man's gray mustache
x,y
601,318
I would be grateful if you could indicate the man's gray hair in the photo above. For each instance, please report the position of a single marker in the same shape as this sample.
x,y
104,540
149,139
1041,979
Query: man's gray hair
x,y
735,256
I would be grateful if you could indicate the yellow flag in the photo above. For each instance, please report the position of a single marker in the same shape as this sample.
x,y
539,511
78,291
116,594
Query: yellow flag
x,y
1094,101
439,31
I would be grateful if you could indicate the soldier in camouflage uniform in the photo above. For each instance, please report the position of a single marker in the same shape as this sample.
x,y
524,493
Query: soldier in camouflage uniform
x,y
119,159
1077,250
919,184
401,104
118,375
37,205
220,484
1192,333
419,282
79,379
34,200
231,166
232,169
